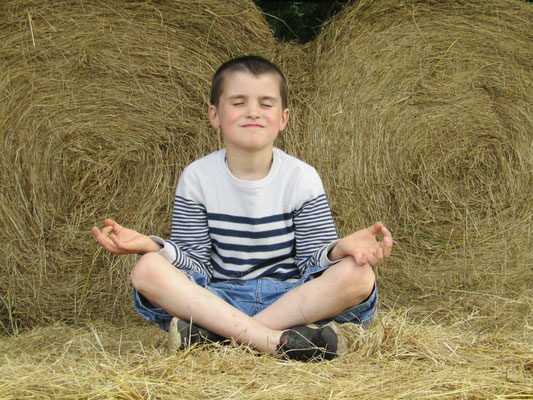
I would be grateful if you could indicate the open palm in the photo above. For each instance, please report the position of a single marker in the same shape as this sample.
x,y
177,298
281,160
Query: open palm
x,y
120,240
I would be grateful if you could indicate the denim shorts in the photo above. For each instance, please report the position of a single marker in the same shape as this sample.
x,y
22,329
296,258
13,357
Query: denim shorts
x,y
254,295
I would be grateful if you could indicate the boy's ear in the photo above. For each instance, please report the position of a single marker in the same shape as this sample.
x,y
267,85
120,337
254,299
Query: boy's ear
x,y
213,116
284,119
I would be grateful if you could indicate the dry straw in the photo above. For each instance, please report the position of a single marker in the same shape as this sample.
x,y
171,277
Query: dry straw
x,y
103,103
423,117
394,359
419,113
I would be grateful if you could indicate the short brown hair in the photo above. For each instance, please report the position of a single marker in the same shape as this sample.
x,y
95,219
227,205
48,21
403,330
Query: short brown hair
x,y
254,65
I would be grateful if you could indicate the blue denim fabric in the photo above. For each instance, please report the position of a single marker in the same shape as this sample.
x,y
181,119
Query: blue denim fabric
x,y
254,295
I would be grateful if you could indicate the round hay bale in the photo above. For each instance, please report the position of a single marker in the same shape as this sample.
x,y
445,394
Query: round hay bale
x,y
102,104
296,62
424,119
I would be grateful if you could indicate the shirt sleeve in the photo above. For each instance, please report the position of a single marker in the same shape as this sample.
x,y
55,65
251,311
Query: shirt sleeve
x,y
189,246
315,232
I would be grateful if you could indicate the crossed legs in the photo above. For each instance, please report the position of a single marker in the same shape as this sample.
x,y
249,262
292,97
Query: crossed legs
x,y
342,286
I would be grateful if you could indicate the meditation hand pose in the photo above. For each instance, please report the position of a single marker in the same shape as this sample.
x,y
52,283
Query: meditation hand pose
x,y
253,253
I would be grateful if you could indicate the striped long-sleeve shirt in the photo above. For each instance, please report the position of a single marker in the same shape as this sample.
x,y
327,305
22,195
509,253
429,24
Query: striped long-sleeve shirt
x,y
227,228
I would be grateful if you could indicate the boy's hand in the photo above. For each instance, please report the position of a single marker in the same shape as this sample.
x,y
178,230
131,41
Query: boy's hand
x,y
363,246
119,240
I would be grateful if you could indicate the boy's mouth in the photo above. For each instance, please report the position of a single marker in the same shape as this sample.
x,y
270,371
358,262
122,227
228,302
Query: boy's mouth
x,y
252,126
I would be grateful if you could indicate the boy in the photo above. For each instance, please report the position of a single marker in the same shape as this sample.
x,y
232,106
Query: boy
x,y
253,253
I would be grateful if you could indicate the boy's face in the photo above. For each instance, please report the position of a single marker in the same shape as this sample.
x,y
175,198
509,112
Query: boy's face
x,y
249,112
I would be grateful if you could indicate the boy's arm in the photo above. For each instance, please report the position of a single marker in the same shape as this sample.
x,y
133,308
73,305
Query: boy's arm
x,y
363,246
314,233
189,246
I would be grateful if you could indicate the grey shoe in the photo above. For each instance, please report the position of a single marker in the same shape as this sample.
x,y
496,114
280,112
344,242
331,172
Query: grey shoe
x,y
183,334
312,343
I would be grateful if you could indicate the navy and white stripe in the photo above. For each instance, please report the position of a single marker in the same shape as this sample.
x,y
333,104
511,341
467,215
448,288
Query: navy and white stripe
x,y
230,229
314,229
244,247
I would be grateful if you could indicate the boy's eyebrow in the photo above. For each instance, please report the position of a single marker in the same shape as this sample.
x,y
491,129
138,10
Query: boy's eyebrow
x,y
269,98
242,96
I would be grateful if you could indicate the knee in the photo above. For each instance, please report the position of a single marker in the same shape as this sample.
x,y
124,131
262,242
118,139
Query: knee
x,y
354,282
146,270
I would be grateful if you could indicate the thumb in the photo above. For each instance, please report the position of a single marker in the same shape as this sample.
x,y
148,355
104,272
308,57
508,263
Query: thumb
x,y
360,259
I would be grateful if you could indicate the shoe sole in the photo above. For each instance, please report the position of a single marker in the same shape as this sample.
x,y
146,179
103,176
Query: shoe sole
x,y
342,345
181,333
175,341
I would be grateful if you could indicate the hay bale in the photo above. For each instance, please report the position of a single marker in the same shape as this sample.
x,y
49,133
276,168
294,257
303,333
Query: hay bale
x,y
102,104
424,119
297,64
418,113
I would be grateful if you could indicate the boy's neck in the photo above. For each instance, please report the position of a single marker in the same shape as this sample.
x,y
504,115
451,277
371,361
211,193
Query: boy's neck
x,y
249,166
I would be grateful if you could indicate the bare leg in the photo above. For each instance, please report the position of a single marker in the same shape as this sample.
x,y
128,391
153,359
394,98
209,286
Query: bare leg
x,y
342,286
167,287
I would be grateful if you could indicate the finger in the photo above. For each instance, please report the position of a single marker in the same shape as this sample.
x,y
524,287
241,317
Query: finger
x,y
375,229
105,240
126,247
360,259
375,259
386,232
106,230
115,248
386,245
100,235
117,242
95,231
108,227
112,223
106,243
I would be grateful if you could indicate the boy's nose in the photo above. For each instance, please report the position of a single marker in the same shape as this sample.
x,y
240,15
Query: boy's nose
x,y
252,111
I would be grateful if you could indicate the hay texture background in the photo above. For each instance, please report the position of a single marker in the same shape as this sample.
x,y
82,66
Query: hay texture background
x,y
103,104
424,118
417,113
